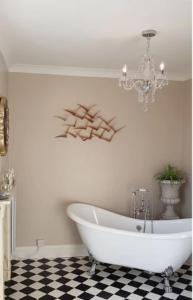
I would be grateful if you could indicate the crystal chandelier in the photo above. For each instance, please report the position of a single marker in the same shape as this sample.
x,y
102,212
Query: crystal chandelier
x,y
146,80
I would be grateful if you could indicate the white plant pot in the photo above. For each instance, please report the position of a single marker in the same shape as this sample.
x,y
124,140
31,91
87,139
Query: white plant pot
x,y
170,197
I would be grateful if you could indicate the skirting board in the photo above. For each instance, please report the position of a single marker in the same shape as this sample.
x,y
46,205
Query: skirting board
x,y
49,251
55,251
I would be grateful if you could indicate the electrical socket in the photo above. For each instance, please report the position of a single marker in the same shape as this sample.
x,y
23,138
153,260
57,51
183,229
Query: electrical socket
x,y
40,243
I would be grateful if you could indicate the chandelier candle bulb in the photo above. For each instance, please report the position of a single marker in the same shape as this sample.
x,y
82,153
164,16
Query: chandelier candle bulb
x,y
124,70
162,67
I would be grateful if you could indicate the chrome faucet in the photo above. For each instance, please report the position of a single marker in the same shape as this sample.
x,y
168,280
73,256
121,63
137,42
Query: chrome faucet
x,y
143,209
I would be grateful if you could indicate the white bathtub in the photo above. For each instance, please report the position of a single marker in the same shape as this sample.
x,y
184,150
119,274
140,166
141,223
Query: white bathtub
x,y
114,239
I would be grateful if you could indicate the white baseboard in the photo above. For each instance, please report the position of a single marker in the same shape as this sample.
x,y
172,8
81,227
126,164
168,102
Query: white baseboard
x,y
49,251
55,251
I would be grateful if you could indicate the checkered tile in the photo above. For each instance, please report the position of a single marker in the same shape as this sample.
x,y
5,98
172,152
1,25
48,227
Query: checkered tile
x,y
67,278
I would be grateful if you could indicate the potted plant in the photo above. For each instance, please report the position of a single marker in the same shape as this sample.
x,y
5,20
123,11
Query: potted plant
x,y
170,180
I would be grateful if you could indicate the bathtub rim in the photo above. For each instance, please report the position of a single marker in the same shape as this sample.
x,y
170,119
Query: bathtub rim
x,y
81,221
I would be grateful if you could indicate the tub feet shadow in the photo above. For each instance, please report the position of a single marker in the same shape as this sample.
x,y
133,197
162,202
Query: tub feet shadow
x,y
166,275
93,264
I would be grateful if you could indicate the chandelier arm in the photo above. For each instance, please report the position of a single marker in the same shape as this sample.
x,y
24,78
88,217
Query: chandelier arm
x,y
128,84
160,83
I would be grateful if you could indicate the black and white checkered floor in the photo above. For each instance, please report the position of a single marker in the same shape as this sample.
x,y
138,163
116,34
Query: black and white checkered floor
x,y
67,278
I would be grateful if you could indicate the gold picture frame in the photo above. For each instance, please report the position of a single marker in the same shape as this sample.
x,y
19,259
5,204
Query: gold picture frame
x,y
4,126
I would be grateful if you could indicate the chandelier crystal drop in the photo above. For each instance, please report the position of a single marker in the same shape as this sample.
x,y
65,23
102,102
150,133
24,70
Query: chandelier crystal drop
x,y
146,80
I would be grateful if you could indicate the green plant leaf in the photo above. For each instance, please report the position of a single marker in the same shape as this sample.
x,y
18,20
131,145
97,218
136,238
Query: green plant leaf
x,y
170,173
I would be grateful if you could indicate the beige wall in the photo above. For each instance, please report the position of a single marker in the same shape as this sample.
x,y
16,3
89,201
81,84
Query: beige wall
x,y
51,172
3,76
186,205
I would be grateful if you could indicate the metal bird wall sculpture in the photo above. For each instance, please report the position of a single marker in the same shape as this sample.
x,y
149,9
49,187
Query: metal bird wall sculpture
x,y
86,123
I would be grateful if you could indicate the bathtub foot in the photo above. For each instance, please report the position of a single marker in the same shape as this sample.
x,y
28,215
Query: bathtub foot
x,y
166,275
92,270
90,257
176,275
93,263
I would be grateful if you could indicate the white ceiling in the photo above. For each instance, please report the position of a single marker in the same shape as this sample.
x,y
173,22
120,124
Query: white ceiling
x,y
95,33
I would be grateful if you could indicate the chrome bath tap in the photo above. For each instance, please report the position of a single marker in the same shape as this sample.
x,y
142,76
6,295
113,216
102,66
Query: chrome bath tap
x,y
143,209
